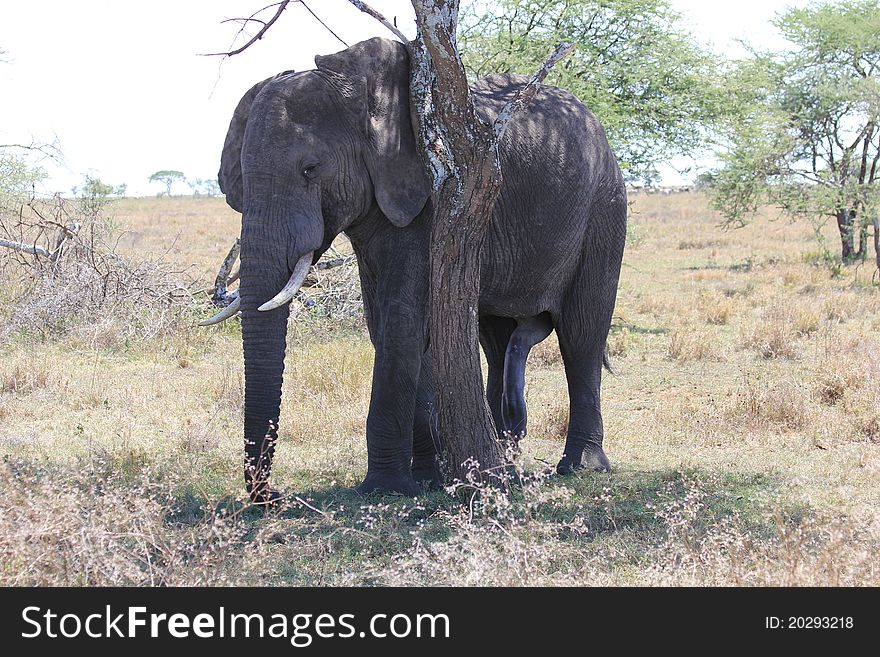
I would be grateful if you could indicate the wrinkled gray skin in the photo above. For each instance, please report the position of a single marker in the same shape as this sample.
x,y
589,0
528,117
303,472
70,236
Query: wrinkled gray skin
x,y
316,153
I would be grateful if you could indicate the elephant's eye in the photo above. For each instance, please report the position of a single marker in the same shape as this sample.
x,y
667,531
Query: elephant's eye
x,y
309,171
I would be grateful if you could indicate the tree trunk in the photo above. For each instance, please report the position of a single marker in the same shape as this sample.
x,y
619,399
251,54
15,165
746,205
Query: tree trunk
x,y
877,241
847,235
862,253
458,232
466,181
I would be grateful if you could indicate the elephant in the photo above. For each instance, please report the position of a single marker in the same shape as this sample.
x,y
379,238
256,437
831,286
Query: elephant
x,y
316,153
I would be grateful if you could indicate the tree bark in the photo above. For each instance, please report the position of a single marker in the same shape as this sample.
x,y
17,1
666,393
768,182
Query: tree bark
x,y
466,180
877,242
847,235
862,253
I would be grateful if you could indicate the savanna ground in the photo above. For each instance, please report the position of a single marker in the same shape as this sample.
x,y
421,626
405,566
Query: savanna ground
x,y
743,422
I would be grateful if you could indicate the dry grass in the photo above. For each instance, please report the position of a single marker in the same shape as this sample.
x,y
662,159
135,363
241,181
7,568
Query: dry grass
x,y
743,422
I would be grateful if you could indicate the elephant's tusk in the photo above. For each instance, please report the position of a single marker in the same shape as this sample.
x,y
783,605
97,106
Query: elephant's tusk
x,y
224,314
293,285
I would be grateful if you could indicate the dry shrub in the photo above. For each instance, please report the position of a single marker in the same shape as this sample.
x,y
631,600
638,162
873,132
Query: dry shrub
x,y
870,427
689,536
90,528
84,287
546,353
620,342
717,308
833,379
806,320
22,378
333,293
848,379
840,307
775,335
783,404
792,549
689,344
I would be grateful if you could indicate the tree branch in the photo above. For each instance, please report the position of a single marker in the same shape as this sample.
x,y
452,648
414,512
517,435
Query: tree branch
x,y
525,95
221,297
259,35
32,249
367,9
327,27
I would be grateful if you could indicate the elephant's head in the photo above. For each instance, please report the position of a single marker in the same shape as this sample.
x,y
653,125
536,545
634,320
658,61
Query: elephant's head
x,y
307,155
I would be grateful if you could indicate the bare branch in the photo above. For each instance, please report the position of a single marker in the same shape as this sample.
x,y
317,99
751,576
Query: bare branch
x,y
524,96
32,249
367,9
259,35
336,262
49,150
220,296
327,27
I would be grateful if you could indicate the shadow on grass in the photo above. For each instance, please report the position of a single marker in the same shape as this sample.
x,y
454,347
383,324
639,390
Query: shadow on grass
x,y
636,501
642,330
328,534
744,266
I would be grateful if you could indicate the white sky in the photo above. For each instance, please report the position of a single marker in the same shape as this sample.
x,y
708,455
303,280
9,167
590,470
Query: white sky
x,y
123,90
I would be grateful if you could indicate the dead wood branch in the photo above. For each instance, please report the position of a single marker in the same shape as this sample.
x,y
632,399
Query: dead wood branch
x,y
367,9
251,19
220,297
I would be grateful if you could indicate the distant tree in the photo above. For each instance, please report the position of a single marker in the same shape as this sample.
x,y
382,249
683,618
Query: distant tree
x,y
805,133
635,67
211,187
204,187
120,190
96,187
195,184
94,194
168,178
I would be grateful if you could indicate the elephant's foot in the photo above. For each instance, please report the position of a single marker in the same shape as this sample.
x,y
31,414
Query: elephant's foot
x,y
427,475
591,458
389,483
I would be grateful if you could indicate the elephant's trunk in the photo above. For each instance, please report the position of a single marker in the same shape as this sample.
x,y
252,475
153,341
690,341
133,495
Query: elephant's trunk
x,y
264,271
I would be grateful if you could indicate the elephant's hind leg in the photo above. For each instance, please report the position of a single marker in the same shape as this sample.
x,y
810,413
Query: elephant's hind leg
x,y
583,332
528,333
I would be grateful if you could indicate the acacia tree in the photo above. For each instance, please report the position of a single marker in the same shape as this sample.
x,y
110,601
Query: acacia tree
x,y
168,178
805,131
635,67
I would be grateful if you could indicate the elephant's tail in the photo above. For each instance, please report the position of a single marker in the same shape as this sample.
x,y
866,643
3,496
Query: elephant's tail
x,y
606,361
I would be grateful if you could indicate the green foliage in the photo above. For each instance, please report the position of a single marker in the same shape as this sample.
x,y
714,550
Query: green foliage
x,y
168,177
804,133
94,195
643,76
17,177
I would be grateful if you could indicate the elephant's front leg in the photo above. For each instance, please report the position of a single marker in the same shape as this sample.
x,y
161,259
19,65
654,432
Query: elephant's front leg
x,y
399,347
426,432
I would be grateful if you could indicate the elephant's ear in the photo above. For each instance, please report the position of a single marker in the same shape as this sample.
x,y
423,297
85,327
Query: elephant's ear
x,y
399,178
229,176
